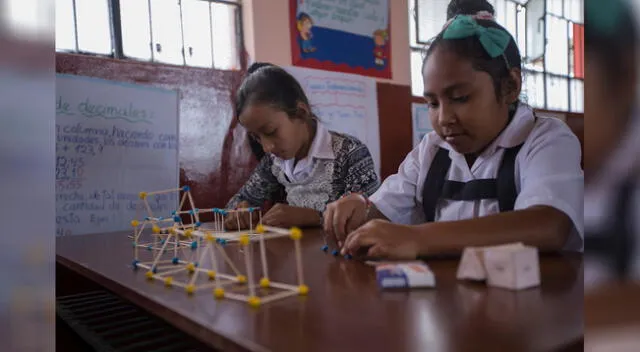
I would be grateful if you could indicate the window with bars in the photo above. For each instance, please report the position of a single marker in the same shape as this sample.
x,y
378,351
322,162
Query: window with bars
x,y
200,33
549,37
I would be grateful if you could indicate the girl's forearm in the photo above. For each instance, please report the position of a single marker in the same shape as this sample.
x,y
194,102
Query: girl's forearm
x,y
543,227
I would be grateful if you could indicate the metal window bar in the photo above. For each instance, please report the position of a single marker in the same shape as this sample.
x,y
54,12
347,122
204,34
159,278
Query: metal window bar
x,y
213,63
75,25
116,29
184,54
151,33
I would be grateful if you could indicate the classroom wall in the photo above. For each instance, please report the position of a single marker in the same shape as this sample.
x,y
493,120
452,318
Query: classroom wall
x,y
215,159
267,37
214,156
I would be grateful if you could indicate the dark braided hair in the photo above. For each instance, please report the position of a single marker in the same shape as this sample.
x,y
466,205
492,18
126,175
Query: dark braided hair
x,y
468,7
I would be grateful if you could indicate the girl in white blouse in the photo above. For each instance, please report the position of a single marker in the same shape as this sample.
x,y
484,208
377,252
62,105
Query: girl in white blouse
x,y
491,171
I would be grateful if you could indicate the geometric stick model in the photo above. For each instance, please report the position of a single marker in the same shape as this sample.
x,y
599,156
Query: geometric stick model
x,y
181,253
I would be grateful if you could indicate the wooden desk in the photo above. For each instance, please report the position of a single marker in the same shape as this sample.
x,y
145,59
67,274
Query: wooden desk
x,y
345,311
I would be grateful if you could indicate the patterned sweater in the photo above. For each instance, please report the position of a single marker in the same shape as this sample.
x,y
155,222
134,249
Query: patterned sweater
x,y
352,170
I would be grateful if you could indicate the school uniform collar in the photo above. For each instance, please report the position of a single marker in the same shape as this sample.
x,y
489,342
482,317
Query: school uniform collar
x,y
513,135
321,146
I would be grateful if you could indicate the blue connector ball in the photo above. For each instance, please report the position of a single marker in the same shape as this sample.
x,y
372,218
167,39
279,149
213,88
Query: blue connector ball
x,y
335,252
347,256
186,188
325,248
177,218
134,264
194,245
198,224
175,261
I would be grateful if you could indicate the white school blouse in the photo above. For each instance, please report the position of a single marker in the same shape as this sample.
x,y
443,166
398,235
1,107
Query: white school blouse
x,y
547,172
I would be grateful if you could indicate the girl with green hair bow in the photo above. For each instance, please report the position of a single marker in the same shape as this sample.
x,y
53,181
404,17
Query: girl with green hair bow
x,y
490,172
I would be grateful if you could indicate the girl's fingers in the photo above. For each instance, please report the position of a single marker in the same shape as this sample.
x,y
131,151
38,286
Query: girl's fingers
x,y
358,239
340,222
328,222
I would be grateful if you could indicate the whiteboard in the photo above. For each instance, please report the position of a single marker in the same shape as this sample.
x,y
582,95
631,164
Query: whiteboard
x,y
113,140
421,124
344,103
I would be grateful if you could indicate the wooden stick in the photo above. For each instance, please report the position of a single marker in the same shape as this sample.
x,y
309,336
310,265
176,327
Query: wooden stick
x,y
161,220
299,262
233,279
270,236
214,262
276,230
249,268
147,207
144,266
200,261
228,260
284,286
155,262
263,257
277,296
184,197
164,191
193,207
236,296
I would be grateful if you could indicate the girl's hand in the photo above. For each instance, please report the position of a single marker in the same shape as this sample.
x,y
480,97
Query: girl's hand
x,y
345,215
285,216
382,239
232,220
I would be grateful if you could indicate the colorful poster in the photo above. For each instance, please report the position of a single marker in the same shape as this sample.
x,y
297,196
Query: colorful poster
x,y
421,122
351,36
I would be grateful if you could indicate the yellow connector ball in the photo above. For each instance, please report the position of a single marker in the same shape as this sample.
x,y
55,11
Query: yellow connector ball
x,y
188,233
260,228
149,275
191,267
142,195
218,293
295,233
155,229
135,223
211,274
168,281
190,289
242,279
244,240
303,290
265,283
209,237
254,301
172,231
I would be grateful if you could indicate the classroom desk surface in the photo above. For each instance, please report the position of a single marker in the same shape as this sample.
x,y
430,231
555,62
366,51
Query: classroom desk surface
x,y
345,311
612,305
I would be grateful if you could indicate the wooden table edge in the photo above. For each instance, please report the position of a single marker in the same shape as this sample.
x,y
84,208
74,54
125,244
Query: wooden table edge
x,y
221,341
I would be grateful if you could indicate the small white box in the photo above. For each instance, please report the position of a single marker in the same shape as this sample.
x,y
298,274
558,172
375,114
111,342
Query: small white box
x,y
514,268
472,265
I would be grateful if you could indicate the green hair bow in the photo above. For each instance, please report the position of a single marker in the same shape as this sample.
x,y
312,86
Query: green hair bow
x,y
493,40
604,16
